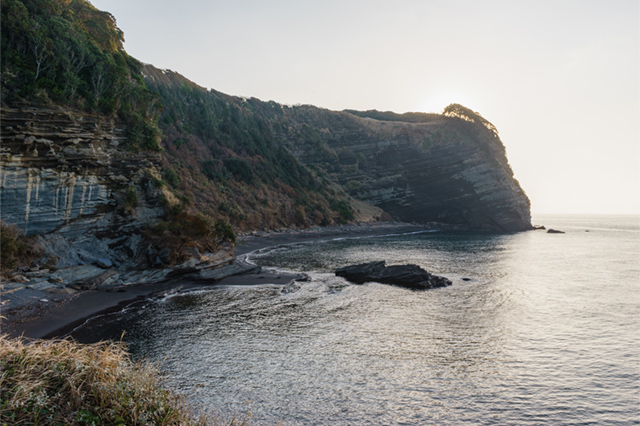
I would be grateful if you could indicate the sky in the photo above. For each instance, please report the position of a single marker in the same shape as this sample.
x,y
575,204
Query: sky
x,y
559,79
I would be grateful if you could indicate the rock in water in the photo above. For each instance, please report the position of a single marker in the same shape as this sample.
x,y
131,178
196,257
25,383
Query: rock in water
x,y
409,276
554,231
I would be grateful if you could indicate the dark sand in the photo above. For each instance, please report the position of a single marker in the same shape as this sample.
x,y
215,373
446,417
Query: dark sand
x,y
59,319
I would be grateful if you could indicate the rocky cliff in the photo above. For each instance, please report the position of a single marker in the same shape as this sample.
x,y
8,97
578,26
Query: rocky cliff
x,y
65,176
447,168
437,169
64,170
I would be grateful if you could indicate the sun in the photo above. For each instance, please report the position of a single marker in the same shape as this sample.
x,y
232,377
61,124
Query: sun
x,y
436,101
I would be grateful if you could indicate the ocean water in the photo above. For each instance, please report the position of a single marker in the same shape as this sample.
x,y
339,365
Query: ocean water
x,y
546,331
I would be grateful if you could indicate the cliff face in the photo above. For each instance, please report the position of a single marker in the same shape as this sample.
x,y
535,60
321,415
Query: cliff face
x,y
223,155
63,174
441,169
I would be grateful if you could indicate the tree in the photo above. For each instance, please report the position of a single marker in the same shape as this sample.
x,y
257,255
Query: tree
x,y
464,113
39,45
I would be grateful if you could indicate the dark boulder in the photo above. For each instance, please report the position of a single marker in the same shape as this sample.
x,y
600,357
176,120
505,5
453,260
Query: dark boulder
x,y
554,231
409,276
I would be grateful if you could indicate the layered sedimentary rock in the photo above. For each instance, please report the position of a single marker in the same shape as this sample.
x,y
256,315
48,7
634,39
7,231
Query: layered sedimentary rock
x,y
439,169
65,172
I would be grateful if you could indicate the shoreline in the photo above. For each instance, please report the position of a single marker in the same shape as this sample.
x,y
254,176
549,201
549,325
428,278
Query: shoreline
x,y
60,318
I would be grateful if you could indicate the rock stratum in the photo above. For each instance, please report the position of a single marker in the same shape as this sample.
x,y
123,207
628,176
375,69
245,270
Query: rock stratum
x,y
446,169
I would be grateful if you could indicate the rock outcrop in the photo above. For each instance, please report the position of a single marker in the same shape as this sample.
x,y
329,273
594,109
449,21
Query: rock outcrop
x,y
66,177
65,171
438,169
409,276
554,231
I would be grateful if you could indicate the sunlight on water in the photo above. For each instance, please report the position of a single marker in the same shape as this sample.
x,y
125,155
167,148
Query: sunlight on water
x,y
545,332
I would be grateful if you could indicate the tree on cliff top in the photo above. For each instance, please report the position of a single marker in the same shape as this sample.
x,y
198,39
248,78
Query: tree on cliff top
x,y
459,111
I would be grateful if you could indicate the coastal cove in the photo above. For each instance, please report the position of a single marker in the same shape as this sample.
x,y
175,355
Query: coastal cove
x,y
327,214
57,316
544,331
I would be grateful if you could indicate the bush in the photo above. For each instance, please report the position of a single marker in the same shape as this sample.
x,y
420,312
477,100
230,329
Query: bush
x,y
344,211
131,197
224,232
172,177
184,231
17,250
239,168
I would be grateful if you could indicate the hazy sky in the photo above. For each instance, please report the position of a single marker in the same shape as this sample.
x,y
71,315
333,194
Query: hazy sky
x,y
559,79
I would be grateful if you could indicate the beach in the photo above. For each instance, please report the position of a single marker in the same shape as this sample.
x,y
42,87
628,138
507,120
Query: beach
x,y
36,314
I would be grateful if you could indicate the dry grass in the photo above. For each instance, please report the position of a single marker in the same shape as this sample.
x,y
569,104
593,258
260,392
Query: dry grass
x,y
47,382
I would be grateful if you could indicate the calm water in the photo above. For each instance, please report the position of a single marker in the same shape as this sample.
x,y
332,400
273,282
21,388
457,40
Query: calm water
x,y
545,332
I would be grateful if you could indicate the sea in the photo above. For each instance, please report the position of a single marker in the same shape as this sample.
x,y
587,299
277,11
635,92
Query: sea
x,y
537,328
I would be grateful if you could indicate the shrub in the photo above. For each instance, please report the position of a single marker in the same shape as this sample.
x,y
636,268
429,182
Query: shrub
x,y
17,250
129,199
215,170
343,209
183,231
172,178
239,168
224,232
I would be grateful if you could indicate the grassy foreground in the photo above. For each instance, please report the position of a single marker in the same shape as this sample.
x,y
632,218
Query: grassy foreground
x,y
51,382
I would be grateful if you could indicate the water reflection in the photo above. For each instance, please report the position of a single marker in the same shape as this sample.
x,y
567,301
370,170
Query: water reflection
x,y
517,344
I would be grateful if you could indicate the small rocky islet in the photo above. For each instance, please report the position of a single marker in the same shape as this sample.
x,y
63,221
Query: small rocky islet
x,y
408,276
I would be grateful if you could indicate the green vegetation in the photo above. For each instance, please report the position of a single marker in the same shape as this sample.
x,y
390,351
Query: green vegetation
x,y
344,210
67,52
407,117
16,250
130,199
228,156
182,232
61,382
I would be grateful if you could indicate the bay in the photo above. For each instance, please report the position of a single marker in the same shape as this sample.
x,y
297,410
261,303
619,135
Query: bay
x,y
543,331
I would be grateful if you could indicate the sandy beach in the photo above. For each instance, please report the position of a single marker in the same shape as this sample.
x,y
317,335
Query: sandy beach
x,y
61,314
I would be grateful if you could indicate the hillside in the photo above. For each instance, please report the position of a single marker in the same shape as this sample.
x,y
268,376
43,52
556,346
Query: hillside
x,y
416,167
224,158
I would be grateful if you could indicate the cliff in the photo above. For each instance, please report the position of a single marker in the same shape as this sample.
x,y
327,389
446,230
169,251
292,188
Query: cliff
x,y
65,177
65,171
451,169
435,169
